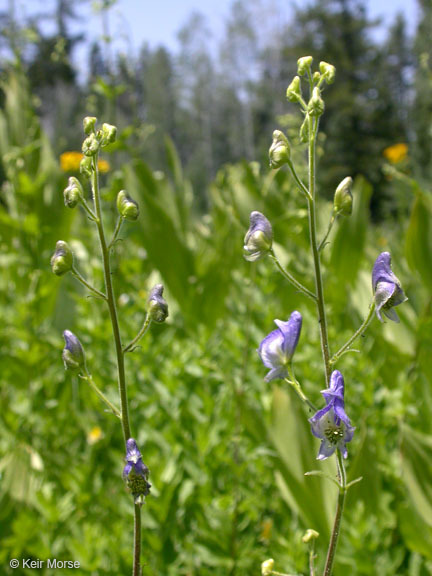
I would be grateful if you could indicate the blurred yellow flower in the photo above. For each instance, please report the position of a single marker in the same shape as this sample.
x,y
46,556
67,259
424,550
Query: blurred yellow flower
x,y
396,153
70,162
266,529
94,435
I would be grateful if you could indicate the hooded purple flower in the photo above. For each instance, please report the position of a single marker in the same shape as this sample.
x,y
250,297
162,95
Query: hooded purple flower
x,y
73,353
259,238
277,349
331,424
387,288
136,472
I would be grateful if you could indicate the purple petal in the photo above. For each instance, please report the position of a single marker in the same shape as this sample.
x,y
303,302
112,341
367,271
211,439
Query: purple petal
x,y
270,350
392,315
336,389
382,271
326,449
141,468
276,373
339,410
127,469
291,333
132,452
320,421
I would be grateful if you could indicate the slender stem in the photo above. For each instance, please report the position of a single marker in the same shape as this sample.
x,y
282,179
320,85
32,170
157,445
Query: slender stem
x,y
299,183
313,129
111,303
298,389
116,232
137,541
291,278
89,211
312,557
140,334
337,521
359,332
83,281
330,226
101,395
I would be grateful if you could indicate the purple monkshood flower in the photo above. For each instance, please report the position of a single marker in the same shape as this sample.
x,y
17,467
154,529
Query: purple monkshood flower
x,y
134,460
259,237
331,424
277,349
73,353
387,288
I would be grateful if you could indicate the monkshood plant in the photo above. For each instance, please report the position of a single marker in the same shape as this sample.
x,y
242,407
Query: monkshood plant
x,y
135,472
330,423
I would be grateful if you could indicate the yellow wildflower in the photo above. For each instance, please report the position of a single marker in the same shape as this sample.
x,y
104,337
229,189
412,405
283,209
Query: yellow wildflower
x,y
70,162
396,153
94,435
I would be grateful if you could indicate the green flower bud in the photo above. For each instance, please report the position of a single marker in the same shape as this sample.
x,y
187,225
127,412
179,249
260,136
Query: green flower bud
x,y
62,259
89,123
304,130
293,92
157,306
127,208
328,71
86,167
316,77
279,153
109,134
304,64
73,193
258,239
310,536
267,567
90,145
343,200
316,103
73,353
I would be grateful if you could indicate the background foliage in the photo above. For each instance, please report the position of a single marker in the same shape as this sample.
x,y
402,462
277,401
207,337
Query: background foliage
x,y
227,452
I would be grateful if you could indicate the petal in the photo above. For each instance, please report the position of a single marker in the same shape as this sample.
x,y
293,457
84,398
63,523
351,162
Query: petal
x,y
320,421
270,350
275,373
336,389
127,469
291,333
339,410
382,271
141,468
326,449
391,315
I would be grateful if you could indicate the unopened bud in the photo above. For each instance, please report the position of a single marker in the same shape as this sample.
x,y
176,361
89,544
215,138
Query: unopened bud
x,y
73,193
267,567
259,237
73,353
62,259
343,200
316,103
127,208
89,123
109,133
328,71
90,145
316,77
86,167
279,153
304,130
310,536
304,64
293,92
157,306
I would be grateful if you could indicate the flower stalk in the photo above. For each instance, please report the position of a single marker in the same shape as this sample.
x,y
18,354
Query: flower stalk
x,y
346,347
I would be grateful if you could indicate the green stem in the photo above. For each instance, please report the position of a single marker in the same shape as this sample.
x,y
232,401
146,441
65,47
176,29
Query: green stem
x,y
291,278
116,232
298,389
330,226
137,541
83,281
313,129
338,518
89,211
111,303
140,334
359,332
312,557
299,183
101,395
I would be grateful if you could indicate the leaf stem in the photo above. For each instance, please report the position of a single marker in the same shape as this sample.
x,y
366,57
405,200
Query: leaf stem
x,y
140,334
101,395
291,278
359,332
83,281
298,389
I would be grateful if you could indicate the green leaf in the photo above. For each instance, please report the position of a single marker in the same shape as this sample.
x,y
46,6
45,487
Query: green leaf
x,y
418,245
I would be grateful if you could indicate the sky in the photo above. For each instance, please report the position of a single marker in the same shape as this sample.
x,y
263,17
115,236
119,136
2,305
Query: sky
x,y
157,22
